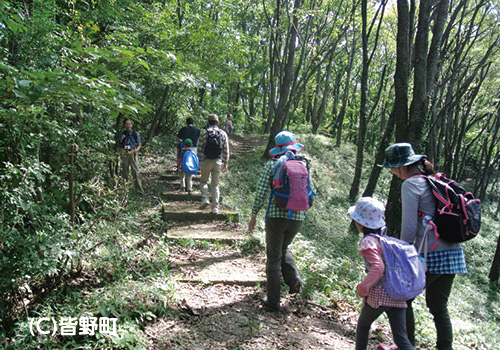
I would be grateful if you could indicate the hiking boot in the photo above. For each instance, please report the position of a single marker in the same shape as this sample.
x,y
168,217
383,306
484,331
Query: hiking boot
x,y
271,307
204,205
190,193
295,286
215,210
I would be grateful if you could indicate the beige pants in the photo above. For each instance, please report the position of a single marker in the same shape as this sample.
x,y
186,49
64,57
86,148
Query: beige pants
x,y
186,181
129,159
210,168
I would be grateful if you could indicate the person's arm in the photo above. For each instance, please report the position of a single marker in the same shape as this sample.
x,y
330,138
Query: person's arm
x,y
225,151
371,251
139,143
263,187
201,142
409,217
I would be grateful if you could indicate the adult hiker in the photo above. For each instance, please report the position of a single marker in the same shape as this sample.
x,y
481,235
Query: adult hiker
x,y
368,216
281,225
129,142
444,259
228,125
187,132
213,151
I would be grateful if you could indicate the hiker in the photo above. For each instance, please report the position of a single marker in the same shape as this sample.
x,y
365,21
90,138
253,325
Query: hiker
x,y
129,142
443,261
280,231
228,125
213,150
368,217
187,132
186,178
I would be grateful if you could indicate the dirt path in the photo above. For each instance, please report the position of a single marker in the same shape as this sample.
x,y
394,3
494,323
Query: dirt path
x,y
220,285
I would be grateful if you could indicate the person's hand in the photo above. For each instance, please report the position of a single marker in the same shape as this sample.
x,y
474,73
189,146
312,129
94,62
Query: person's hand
x,y
123,136
251,224
362,290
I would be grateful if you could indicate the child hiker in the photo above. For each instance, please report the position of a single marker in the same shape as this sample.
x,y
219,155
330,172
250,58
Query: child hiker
x,y
186,179
367,215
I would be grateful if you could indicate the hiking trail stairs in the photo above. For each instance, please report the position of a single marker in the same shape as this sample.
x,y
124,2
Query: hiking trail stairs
x,y
218,283
224,265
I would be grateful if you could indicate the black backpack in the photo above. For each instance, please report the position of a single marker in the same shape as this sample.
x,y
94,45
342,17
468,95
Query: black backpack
x,y
213,144
458,213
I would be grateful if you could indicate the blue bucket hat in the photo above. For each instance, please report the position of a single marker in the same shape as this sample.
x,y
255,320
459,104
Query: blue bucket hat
x,y
400,155
285,141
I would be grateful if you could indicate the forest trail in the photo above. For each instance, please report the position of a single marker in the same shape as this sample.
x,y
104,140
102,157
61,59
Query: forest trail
x,y
219,285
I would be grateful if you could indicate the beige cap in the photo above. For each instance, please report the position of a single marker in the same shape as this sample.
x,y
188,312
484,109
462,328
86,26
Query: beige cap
x,y
213,117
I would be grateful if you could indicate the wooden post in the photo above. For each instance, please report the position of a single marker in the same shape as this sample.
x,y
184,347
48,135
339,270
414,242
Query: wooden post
x,y
71,193
495,266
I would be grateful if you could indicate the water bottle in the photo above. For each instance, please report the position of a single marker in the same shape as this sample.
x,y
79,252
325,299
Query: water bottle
x,y
428,224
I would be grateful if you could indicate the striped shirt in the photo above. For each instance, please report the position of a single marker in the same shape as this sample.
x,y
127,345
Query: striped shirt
x,y
225,145
263,194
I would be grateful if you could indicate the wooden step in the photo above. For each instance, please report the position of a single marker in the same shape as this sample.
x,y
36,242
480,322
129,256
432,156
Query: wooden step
x,y
191,212
243,270
174,177
226,237
182,196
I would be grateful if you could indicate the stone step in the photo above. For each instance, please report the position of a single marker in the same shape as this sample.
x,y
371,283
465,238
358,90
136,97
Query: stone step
x,y
189,212
182,196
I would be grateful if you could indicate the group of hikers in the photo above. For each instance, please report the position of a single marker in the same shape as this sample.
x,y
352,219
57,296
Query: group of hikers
x,y
444,259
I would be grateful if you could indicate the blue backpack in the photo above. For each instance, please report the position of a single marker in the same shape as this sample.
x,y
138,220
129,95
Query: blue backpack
x,y
190,162
404,271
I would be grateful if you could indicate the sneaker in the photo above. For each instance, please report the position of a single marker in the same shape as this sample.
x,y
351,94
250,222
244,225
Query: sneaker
x,y
204,205
387,347
295,286
215,211
271,307
190,193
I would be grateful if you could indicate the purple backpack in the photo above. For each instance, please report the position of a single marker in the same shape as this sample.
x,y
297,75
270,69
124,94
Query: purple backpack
x,y
291,190
404,271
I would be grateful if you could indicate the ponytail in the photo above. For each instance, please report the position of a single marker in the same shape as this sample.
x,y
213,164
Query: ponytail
x,y
428,168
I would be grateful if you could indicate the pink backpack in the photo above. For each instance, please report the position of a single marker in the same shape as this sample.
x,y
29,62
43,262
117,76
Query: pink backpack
x,y
292,188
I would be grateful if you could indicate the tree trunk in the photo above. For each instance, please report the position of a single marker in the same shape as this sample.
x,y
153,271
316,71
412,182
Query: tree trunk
x,y
158,114
279,116
393,208
418,106
402,71
380,156
495,266
353,193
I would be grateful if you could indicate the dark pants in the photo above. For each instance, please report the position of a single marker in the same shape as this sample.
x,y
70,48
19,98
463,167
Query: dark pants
x,y
279,235
437,293
397,320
